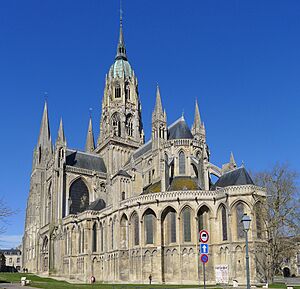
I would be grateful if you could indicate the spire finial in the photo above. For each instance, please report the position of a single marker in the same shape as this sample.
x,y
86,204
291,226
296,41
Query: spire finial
x,y
121,50
90,112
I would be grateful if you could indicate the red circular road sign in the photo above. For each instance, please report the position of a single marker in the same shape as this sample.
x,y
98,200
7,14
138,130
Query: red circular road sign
x,y
204,258
203,236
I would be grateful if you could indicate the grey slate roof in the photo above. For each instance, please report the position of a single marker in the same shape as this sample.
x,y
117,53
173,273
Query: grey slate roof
x,y
123,173
179,130
84,160
236,177
97,205
143,149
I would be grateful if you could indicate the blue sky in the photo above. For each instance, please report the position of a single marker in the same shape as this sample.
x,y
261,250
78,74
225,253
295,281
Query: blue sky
x,y
240,59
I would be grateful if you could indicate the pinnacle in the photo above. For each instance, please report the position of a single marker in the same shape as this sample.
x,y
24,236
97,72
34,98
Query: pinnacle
x,y
61,134
45,137
158,104
90,143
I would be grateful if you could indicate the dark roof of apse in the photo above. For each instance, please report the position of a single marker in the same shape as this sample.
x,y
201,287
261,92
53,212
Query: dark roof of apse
x,y
85,160
177,130
97,205
237,177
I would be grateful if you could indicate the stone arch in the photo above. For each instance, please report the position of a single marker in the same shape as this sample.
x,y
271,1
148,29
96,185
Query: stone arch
x,y
168,220
124,232
94,237
78,196
149,221
116,124
203,217
182,162
186,217
222,216
134,228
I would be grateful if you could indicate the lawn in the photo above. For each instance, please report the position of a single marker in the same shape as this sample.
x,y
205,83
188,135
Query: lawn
x,y
49,283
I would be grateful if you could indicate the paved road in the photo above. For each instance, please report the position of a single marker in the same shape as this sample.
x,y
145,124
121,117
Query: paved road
x,y
13,286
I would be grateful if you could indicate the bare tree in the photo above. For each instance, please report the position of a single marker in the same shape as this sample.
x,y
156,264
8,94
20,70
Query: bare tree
x,y
281,216
5,213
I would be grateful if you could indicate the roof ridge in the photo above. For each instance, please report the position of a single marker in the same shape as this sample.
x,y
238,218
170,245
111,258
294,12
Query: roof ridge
x,y
176,121
85,153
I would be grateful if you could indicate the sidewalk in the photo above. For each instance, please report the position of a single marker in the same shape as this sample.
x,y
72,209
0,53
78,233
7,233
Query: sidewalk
x,y
13,286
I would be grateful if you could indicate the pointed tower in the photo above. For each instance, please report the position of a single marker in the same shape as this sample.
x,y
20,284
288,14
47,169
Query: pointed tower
x,y
159,122
198,129
61,140
43,150
90,144
120,126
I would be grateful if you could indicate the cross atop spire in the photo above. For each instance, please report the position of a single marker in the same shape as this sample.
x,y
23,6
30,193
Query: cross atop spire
x,y
121,50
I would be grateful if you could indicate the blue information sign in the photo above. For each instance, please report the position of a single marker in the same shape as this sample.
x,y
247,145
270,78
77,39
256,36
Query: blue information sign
x,y
204,248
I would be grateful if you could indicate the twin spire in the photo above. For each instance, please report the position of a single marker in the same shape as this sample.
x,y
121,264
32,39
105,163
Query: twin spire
x,y
45,137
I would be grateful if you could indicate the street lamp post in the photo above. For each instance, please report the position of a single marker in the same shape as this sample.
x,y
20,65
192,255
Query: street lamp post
x,y
246,223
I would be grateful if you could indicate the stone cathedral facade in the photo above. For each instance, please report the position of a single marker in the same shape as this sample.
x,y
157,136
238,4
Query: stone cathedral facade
x,y
123,209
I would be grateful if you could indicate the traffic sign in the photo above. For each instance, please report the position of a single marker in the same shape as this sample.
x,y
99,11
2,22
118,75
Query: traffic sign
x,y
204,258
204,236
204,248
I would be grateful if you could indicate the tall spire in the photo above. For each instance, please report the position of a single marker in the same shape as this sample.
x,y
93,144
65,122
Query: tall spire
x,y
61,135
121,50
45,137
90,144
158,110
197,119
198,128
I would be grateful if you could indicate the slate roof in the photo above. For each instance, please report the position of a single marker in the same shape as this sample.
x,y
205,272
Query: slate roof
x,y
236,177
179,130
143,149
97,205
85,160
123,173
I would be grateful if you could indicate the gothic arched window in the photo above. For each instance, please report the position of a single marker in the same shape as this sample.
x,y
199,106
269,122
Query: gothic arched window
x,y
94,239
224,223
123,195
203,218
127,91
116,123
124,232
169,226
239,224
149,220
101,238
129,125
117,91
259,222
79,197
135,229
186,213
181,163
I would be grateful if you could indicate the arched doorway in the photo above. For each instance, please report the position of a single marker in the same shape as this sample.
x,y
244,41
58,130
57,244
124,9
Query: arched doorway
x,y
286,272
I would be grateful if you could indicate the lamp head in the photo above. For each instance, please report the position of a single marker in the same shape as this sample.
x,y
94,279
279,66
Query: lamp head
x,y
246,222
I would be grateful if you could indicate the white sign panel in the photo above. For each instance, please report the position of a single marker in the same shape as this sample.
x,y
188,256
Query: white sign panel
x,y
221,272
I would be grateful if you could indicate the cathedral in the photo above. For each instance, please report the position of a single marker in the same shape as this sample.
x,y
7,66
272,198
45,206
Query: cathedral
x,y
126,210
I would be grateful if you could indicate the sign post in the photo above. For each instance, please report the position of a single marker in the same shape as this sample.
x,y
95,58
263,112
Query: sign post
x,y
204,249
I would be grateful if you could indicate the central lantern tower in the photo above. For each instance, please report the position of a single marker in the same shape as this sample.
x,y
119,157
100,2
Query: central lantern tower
x,y
121,130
